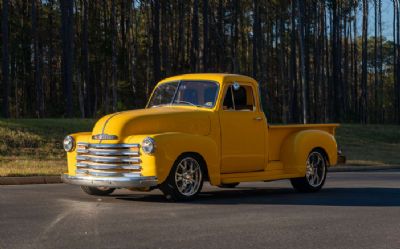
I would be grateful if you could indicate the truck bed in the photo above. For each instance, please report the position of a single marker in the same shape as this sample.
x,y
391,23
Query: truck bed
x,y
278,133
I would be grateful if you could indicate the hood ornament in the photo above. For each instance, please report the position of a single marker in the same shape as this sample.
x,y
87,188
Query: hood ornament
x,y
104,137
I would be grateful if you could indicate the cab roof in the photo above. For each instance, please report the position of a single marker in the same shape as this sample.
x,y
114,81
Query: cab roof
x,y
219,77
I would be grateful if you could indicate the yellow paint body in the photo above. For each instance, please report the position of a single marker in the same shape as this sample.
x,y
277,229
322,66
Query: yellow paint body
x,y
236,146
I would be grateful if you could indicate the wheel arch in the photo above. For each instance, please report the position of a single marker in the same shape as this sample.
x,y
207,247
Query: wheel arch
x,y
171,146
200,157
323,152
297,146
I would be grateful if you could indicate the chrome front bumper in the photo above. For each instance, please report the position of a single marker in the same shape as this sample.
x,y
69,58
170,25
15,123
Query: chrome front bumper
x,y
112,182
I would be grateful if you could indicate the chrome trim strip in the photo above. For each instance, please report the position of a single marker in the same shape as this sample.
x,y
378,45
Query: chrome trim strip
x,y
105,123
131,174
107,159
114,145
115,182
88,172
109,145
109,152
132,167
108,166
81,171
103,173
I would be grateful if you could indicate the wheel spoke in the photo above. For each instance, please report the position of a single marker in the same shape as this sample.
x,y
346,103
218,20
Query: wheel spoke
x,y
316,179
315,170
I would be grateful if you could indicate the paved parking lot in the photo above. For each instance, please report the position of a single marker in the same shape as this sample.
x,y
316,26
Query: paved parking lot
x,y
354,210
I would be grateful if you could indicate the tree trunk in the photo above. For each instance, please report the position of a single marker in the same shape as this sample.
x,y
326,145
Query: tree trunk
x,y
300,12
380,60
345,80
235,9
256,33
395,69
293,112
335,109
67,42
37,72
156,41
220,36
195,37
5,60
356,102
87,89
113,56
205,35
396,32
181,31
282,67
364,73
376,83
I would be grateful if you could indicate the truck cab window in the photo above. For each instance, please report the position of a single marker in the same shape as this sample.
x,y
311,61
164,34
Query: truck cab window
x,y
228,100
241,99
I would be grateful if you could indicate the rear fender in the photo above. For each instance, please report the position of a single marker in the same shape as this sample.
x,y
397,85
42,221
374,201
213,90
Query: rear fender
x,y
296,148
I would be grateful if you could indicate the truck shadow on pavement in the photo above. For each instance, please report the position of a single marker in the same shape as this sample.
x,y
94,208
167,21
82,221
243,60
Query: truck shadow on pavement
x,y
366,196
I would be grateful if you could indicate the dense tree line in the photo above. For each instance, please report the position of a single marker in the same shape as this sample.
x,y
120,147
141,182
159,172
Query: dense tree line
x,y
84,58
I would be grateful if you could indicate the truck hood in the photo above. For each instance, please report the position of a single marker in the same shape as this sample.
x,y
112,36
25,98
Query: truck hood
x,y
153,121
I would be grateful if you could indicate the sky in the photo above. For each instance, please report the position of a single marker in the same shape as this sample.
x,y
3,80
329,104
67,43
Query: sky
x,y
387,19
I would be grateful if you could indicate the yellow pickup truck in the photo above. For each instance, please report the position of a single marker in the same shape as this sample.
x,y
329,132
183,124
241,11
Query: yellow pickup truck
x,y
196,128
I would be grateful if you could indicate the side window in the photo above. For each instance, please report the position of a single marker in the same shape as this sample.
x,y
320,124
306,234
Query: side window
x,y
228,100
240,99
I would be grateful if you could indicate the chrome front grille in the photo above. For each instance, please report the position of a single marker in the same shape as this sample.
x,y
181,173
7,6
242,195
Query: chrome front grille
x,y
110,160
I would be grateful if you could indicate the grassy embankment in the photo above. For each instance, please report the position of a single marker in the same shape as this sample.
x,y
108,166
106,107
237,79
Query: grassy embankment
x,y
34,147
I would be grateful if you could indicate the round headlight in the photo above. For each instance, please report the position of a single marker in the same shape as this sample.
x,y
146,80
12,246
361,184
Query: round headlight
x,y
69,143
148,145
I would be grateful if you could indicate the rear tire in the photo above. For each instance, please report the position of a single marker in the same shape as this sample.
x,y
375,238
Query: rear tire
x,y
316,168
99,191
185,179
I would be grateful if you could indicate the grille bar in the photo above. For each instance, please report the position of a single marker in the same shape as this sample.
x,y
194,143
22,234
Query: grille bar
x,y
108,152
106,173
107,166
109,145
107,159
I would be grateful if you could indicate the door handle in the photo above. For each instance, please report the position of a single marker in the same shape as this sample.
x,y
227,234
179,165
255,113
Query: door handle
x,y
258,118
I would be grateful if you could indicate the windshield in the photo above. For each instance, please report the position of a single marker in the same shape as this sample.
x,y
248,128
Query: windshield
x,y
195,93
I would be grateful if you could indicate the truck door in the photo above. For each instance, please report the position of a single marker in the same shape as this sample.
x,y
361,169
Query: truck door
x,y
242,130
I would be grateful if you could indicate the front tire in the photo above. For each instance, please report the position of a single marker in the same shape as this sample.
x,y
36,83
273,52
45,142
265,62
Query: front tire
x,y
185,179
316,168
99,191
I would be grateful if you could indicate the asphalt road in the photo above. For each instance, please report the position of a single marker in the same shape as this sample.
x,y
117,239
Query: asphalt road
x,y
354,210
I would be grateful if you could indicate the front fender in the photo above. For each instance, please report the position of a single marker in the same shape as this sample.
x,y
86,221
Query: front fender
x,y
296,148
171,145
71,156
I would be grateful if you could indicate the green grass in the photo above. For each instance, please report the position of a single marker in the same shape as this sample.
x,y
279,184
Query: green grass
x,y
370,144
34,147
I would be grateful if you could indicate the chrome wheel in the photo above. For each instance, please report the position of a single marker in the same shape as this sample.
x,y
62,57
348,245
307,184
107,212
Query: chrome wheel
x,y
188,176
315,171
